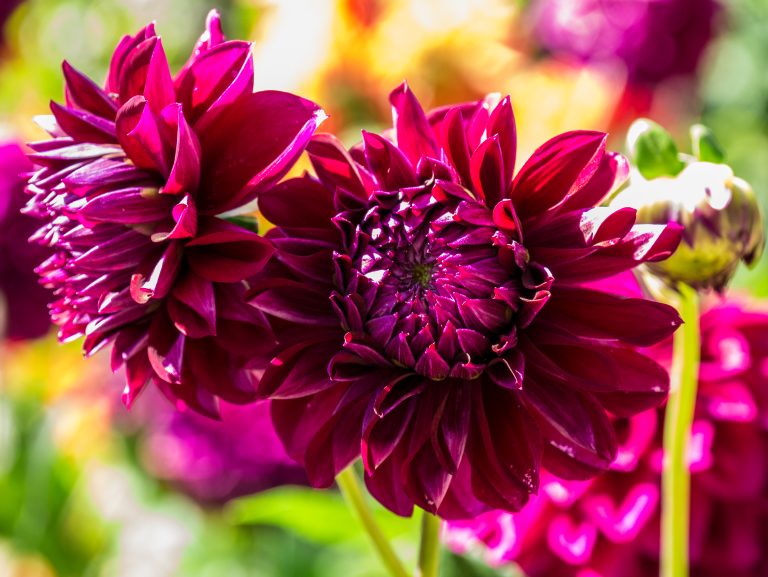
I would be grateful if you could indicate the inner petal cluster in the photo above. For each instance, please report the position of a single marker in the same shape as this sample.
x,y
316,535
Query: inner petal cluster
x,y
430,283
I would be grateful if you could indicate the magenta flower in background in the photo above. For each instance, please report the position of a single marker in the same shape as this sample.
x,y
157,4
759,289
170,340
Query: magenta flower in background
x,y
609,527
24,302
133,188
434,313
215,461
654,39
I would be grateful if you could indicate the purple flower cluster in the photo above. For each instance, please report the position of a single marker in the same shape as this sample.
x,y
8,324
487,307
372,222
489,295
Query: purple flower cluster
x,y
609,527
420,301
218,460
133,187
653,39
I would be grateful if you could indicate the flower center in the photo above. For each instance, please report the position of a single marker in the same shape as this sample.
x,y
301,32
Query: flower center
x,y
433,286
420,274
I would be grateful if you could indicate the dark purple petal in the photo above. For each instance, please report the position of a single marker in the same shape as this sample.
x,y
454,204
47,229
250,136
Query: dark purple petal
x,y
84,94
140,136
246,151
298,202
161,277
185,171
580,439
192,306
502,124
336,169
612,172
84,126
487,171
566,162
388,165
218,78
413,133
644,243
224,252
598,315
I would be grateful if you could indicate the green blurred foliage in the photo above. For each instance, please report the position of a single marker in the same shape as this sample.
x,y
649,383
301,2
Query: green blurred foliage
x,y
734,96
42,509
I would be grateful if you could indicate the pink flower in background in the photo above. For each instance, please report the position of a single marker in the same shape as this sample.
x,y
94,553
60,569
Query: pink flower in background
x,y
24,302
653,39
133,188
215,461
431,305
609,527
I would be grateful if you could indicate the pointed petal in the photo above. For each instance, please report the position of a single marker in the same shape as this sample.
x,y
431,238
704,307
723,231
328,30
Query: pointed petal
x,y
594,314
388,165
563,163
139,135
224,252
502,124
487,170
185,172
252,145
84,94
580,438
217,78
413,133
160,280
192,306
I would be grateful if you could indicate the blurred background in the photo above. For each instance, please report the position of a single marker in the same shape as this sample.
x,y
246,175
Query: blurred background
x,y
88,489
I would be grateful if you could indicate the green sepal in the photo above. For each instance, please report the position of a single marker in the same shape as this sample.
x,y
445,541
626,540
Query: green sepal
x,y
652,150
705,146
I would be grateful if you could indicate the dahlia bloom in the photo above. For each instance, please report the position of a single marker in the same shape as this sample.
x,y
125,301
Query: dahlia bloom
x,y
433,311
609,527
215,461
23,311
135,186
653,39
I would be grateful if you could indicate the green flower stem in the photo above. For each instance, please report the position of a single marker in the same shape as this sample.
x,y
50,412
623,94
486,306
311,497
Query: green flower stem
x,y
676,479
350,488
429,549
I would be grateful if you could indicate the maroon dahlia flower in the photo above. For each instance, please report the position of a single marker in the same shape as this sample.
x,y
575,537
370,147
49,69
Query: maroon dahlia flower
x,y
134,187
434,314
609,527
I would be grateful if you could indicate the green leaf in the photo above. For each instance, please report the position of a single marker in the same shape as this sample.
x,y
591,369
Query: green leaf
x,y
652,150
319,516
705,146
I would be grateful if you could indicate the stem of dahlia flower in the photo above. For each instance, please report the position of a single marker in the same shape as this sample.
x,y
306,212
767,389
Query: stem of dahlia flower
x,y
350,488
676,478
429,549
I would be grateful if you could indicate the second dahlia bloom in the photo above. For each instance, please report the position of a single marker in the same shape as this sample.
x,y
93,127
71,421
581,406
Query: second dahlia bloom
x,y
434,313
136,187
609,527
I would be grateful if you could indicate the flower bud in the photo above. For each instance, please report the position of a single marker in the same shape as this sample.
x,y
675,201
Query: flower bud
x,y
719,211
